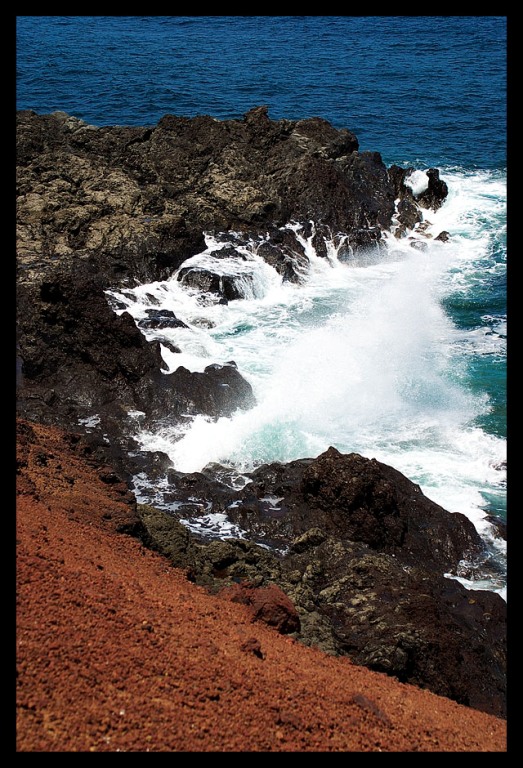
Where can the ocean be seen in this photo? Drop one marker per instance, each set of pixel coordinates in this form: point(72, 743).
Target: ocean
point(400, 357)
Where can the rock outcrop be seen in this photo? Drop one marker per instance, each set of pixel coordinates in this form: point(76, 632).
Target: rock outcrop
point(352, 555)
point(101, 208)
point(116, 651)
point(361, 553)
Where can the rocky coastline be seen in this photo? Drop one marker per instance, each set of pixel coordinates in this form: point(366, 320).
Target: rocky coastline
point(356, 551)
point(118, 651)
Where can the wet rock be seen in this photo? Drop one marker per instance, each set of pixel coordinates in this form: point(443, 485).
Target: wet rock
point(359, 499)
point(289, 261)
point(410, 204)
point(418, 245)
point(227, 287)
point(105, 208)
point(436, 192)
point(219, 390)
point(349, 543)
point(409, 213)
point(161, 318)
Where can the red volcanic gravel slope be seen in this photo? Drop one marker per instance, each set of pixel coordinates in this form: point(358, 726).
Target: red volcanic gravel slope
point(118, 652)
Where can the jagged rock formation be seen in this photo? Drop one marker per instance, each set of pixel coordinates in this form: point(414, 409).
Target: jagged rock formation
point(99, 208)
point(355, 547)
point(361, 552)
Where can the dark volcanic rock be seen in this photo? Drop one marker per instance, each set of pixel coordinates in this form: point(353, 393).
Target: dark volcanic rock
point(79, 360)
point(226, 287)
point(346, 496)
point(361, 553)
point(406, 621)
point(161, 318)
point(217, 391)
point(409, 206)
point(140, 199)
point(409, 213)
point(368, 501)
point(287, 259)
point(101, 208)
point(435, 193)
point(77, 355)
point(353, 545)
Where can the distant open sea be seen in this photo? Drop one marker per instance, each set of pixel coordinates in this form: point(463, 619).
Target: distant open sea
point(403, 360)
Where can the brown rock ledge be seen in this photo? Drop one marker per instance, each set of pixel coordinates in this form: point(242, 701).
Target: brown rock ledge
point(119, 652)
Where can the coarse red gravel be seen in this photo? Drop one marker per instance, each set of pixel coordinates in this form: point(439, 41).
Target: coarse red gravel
point(118, 652)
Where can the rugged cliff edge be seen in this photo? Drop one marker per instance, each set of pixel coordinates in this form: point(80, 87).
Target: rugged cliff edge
point(99, 208)
point(356, 548)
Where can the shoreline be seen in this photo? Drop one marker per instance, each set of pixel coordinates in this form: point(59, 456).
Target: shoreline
point(118, 651)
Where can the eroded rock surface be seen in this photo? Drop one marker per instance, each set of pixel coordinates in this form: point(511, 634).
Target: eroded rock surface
point(361, 553)
point(347, 546)
point(101, 208)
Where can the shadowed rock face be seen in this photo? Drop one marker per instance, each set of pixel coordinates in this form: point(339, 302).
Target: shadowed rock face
point(356, 548)
point(360, 552)
point(81, 360)
point(99, 208)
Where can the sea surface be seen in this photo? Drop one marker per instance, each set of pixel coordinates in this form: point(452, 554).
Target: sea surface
point(399, 357)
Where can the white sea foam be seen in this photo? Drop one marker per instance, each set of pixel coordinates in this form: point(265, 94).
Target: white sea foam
point(361, 356)
point(417, 181)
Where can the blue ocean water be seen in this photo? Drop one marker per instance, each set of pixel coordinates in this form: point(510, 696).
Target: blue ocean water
point(430, 89)
point(403, 359)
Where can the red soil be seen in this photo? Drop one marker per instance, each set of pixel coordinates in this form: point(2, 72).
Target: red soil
point(118, 652)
